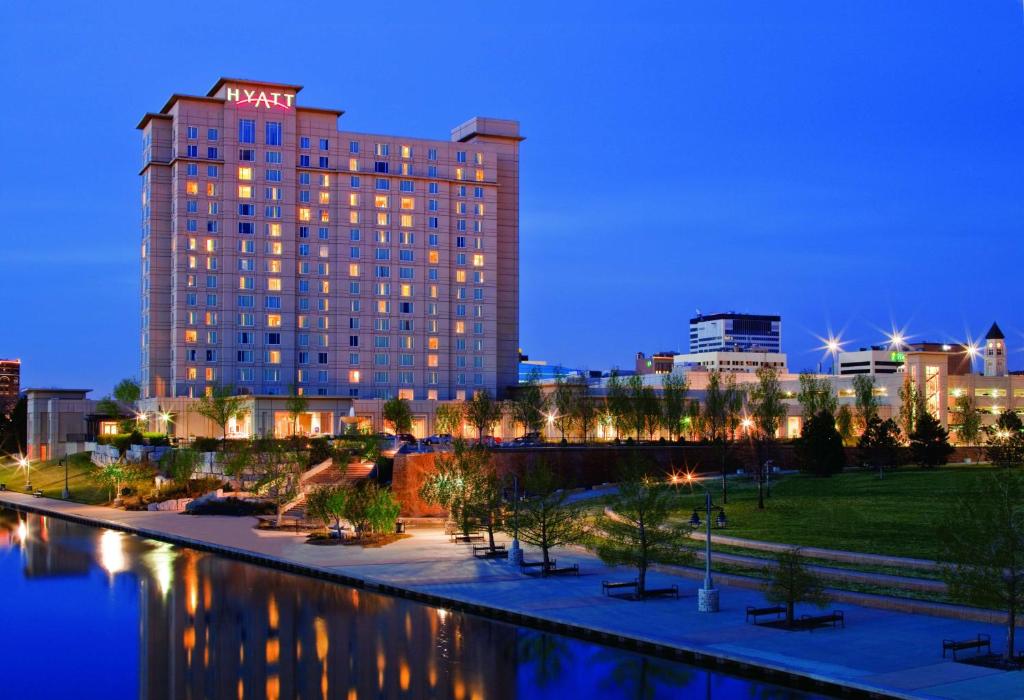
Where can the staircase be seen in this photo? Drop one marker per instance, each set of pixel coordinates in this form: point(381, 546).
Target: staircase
point(325, 474)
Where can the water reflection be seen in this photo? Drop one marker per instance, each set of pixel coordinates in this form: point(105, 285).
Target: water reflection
point(210, 627)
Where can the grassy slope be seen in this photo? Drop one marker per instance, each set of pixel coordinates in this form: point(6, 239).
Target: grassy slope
point(854, 511)
point(49, 477)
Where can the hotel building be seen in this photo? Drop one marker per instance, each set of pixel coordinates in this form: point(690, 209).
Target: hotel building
point(279, 251)
point(732, 332)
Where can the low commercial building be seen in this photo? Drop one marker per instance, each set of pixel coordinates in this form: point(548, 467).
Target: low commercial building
point(727, 361)
point(659, 363)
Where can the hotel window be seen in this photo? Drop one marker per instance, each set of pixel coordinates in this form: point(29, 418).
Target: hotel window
point(245, 191)
point(380, 201)
point(433, 257)
point(304, 142)
point(246, 155)
point(272, 194)
point(405, 221)
point(383, 218)
point(273, 133)
point(353, 181)
point(324, 144)
point(304, 214)
point(325, 216)
point(191, 151)
point(192, 132)
point(380, 166)
point(273, 230)
point(353, 166)
point(323, 233)
point(325, 198)
point(304, 161)
point(273, 320)
point(191, 336)
point(211, 152)
point(324, 162)
point(191, 373)
point(353, 217)
point(247, 131)
point(479, 175)
point(353, 270)
point(244, 172)
point(212, 170)
point(272, 157)
point(408, 203)
point(459, 175)
point(191, 187)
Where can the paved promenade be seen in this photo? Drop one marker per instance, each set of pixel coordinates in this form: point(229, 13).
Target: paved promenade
point(884, 651)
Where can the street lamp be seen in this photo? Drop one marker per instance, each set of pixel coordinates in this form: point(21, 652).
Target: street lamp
point(25, 464)
point(66, 494)
point(515, 554)
point(707, 597)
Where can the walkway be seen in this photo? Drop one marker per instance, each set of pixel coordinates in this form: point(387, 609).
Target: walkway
point(883, 651)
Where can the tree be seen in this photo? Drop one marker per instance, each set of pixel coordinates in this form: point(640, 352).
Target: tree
point(489, 503)
point(879, 443)
point(694, 420)
point(448, 418)
point(564, 401)
point(636, 405)
point(586, 410)
point(327, 504)
point(768, 410)
point(182, 465)
point(969, 421)
point(107, 406)
point(929, 443)
point(912, 405)
point(529, 406)
point(547, 519)
point(790, 582)
point(221, 405)
point(820, 447)
point(457, 482)
point(117, 476)
point(273, 468)
point(619, 404)
point(645, 407)
point(815, 396)
point(127, 391)
point(381, 507)
point(14, 427)
point(638, 530)
point(396, 411)
point(296, 404)
point(1005, 442)
point(981, 547)
point(673, 397)
point(864, 399)
point(482, 412)
point(844, 424)
point(722, 403)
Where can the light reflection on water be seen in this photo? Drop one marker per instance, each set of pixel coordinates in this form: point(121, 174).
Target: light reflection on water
point(138, 618)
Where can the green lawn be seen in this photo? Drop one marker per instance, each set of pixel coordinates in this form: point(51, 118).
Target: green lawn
point(854, 511)
point(49, 477)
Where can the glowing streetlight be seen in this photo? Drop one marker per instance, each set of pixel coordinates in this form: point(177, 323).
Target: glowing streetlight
point(26, 464)
point(972, 350)
point(707, 597)
point(747, 424)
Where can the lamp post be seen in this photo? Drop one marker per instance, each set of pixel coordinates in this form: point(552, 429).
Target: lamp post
point(66, 494)
point(707, 597)
point(26, 464)
point(515, 553)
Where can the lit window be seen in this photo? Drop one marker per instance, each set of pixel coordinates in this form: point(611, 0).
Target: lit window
point(192, 187)
point(478, 260)
point(407, 151)
point(353, 217)
point(191, 373)
point(460, 275)
point(210, 374)
point(325, 216)
point(244, 172)
point(274, 284)
point(479, 175)
point(433, 257)
point(353, 270)
point(211, 189)
point(459, 174)
point(460, 327)
point(383, 218)
point(408, 203)
point(273, 320)
point(274, 230)
point(303, 214)
point(380, 201)
point(245, 191)
point(325, 197)
point(353, 164)
point(431, 360)
point(353, 376)
point(433, 343)
point(406, 290)
point(274, 357)
point(191, 336)
point(353, 199)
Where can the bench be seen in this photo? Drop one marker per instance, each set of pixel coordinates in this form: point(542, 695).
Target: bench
point(982, 640)
point(37, 493)
point(524, 565)
point(573, 569)
point(670, 592)
point(608, 586)
point(776, 610)
point(485, 552)
point(833, 618)
point(465, 539)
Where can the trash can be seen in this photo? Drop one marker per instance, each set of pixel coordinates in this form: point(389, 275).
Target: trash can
point(399, 527)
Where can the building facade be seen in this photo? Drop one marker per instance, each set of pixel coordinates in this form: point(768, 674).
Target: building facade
point(735, 332)
point(657, 363)
point(279, 251)
point(10, 383)
point(730, 361)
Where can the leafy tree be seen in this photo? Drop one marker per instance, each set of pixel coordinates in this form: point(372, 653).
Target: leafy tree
point(722, 403)
point(768, 410)
point(790, 582)
point(879, 443)
point(220, 406)
point(458, 482)
point(272, 466)
point(929, 443)
point(396, 411)
point(489, 503)
point(547, 519)
point(1009, 421)
point(564, 400)
point(482, 412)
point(382, 509)
point(864, 399)
point(912, 405)
point(296, 404)
point(359, 505)
point(127, 391)
point(638, 531)
point(586, 410)
point(448, 418)
point(14, 427)
point(844, 424)
point(644, 407)
point(815, 396)
point(530, 405)
point(969, 417)
point(1005, 442)
point(117, 476)
point(327, 504)
point(182, 466)
point(694, 420)
point(673, 397)
point(619, 403)
point(981, 547)
point(107, 406)
point(820, 446)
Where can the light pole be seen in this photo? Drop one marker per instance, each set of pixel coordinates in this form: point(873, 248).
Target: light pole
point(515, 554)
point(707, 597)
point(26, 464)
point(66, 494)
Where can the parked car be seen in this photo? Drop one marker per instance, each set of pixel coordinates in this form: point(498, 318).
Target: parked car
point(439, 439)
point(407, 438)
point(413, 448)
point(527, 440)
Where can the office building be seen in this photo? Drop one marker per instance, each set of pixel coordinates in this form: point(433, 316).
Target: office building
point(728, 361)
point(279, 251)
point(658, 363)
point(10, 383)
point(732, 332)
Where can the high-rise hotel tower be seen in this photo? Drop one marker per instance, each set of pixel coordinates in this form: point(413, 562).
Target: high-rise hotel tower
point(279, 252)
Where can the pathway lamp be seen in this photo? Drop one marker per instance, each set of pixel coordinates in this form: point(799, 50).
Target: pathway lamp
point(707, 597)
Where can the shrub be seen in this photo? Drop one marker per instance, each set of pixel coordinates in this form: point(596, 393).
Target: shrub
point(205, 444)
point(319, 450)
point(232, 506)
point(156, 439)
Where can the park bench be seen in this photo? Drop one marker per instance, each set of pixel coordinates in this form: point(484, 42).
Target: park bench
point(670, 592)
point(464, 539)
point(608, 586)
point(485, 552)
point(753, 612)
point(37, 493)
point(833, 618)
point(982, 640)
point(525, 565)
point(573, 569)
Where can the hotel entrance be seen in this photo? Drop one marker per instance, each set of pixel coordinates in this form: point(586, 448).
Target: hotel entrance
point(308, 423)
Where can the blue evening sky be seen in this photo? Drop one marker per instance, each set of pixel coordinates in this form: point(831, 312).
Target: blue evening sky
point(853, 164)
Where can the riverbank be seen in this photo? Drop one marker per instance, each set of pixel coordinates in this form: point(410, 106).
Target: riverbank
point(880, 652)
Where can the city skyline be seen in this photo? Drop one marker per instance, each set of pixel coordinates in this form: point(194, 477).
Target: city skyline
point(877, 180)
